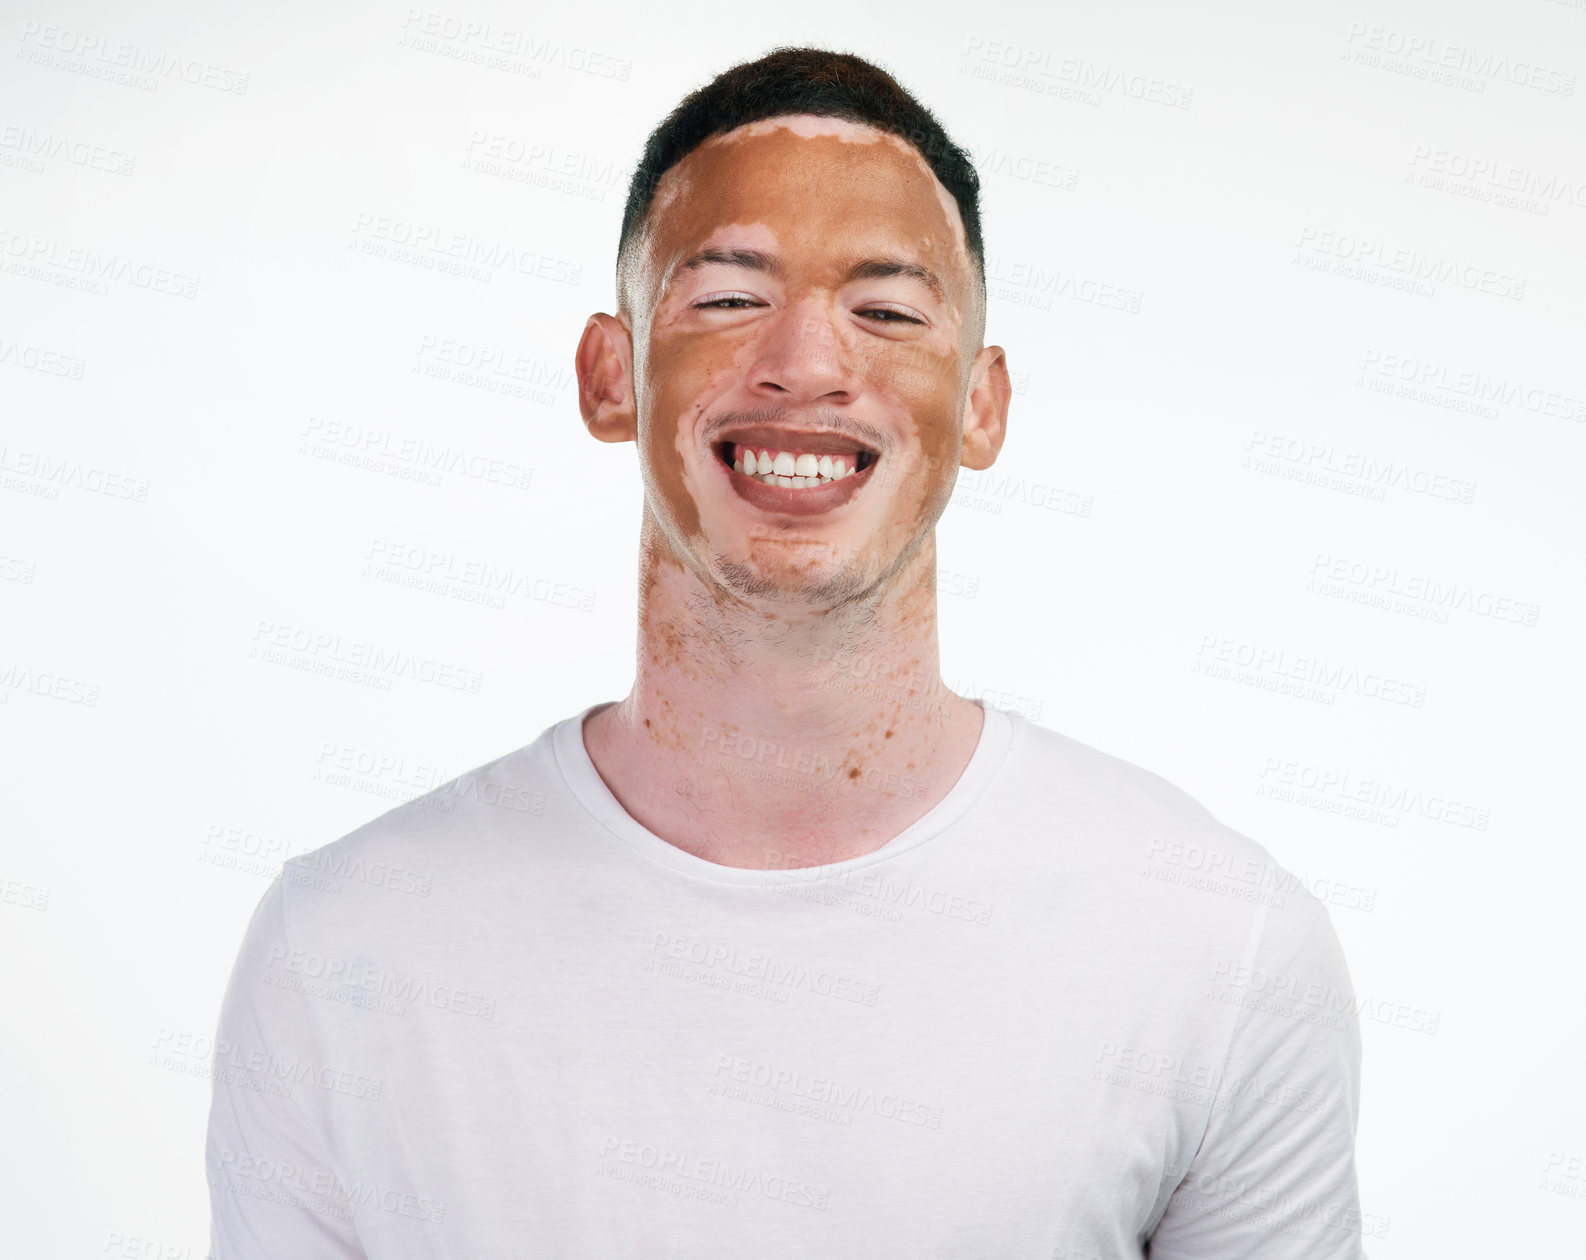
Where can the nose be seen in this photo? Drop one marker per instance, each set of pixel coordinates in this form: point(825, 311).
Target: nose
point(803, 359)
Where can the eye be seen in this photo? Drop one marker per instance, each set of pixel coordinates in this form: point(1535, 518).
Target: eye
point(727, 302)
point(893, 315)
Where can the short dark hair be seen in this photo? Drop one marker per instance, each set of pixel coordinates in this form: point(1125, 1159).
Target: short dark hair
point(804, 81)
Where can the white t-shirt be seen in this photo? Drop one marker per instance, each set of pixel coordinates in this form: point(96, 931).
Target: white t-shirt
point(1065, 1014)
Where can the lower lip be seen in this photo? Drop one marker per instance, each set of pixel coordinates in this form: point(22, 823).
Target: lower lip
point(797, 500)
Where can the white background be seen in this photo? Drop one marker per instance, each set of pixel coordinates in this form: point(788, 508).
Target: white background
point(1300, 531)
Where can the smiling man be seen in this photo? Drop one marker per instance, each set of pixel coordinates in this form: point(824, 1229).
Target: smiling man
point(792, 951)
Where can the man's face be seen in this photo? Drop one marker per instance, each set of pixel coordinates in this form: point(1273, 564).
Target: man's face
point(804, 287)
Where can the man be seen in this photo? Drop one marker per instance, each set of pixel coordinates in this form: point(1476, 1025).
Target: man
point(792, 952)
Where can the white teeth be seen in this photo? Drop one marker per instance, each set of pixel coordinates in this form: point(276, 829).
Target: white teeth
point(787, 468)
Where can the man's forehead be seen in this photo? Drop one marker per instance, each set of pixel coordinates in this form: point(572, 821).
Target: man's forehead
point(828, 137)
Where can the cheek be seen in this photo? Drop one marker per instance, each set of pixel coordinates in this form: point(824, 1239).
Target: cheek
point(922, 387)
point(685, 375)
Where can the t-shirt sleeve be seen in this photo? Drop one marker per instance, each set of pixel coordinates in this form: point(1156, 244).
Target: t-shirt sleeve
point(1274, 1176)
point(276, 1187)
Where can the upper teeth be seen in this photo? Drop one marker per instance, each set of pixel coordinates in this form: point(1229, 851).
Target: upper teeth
point(792, 468)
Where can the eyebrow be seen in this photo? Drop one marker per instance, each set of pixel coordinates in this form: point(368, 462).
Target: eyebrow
point(770, 264)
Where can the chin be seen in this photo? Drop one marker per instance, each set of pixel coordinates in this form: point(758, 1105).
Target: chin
point(821, 586)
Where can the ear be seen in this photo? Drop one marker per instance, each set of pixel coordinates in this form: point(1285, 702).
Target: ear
point(986, 409)
point(604, 364)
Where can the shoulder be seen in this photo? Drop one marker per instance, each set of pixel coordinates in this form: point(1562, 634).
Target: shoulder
point(1081, 773)
point(393, 869)
point(1155, 853)
point(1113, 804)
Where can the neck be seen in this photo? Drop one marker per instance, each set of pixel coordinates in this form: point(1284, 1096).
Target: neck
point(775, 735)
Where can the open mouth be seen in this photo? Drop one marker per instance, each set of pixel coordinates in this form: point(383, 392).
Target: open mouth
point(795, 474)
point(792, 469)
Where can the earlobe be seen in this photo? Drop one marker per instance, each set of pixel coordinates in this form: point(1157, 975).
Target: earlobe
point(986, 409)
point(603, 364)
